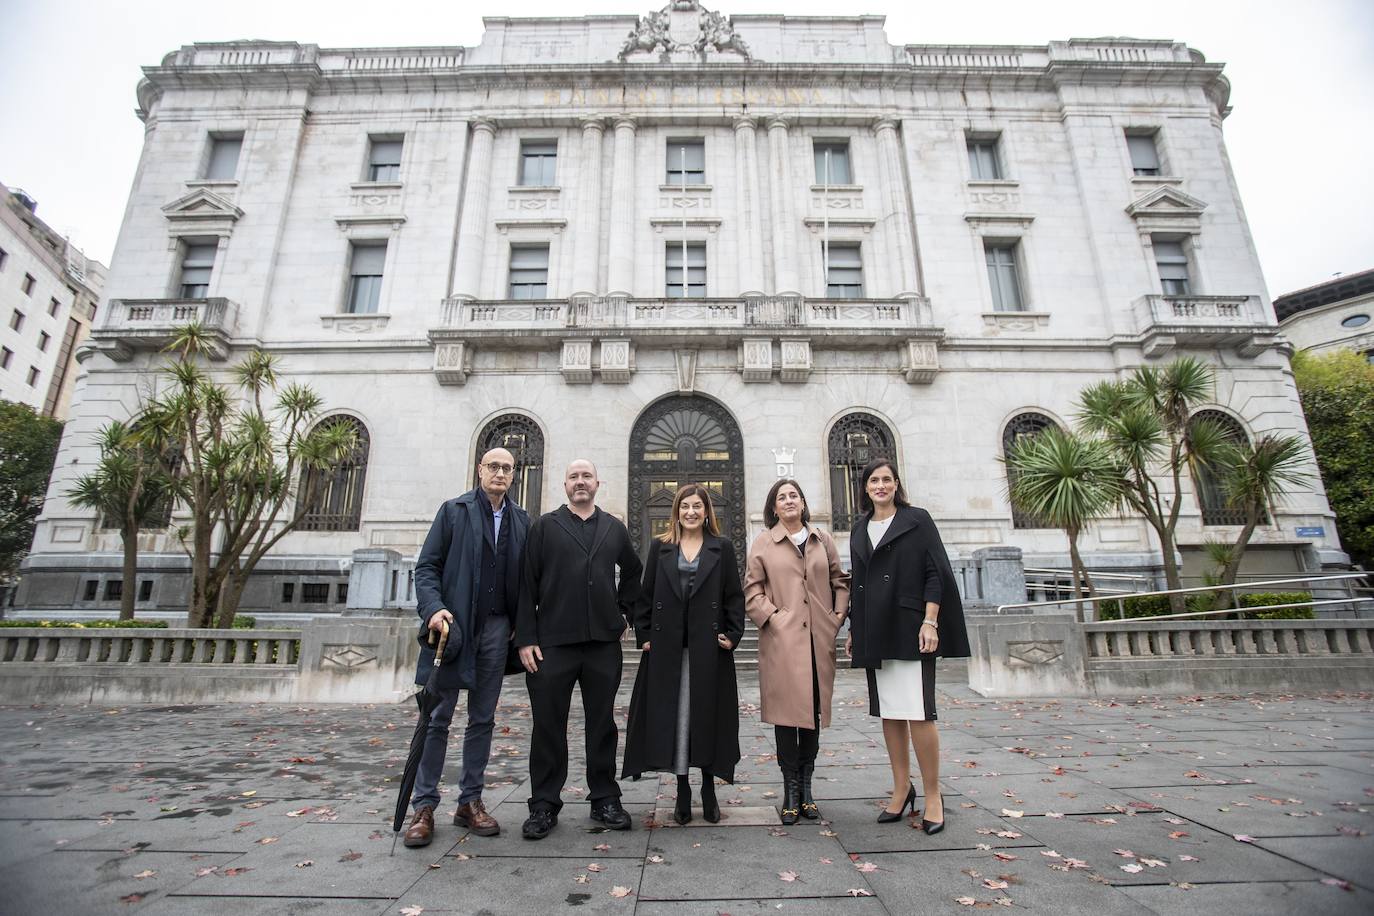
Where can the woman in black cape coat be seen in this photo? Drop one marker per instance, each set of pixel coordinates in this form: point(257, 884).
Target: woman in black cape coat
point(904, 611)
point(692, 616)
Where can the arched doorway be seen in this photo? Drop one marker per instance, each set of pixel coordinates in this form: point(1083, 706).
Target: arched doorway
point(679, 440)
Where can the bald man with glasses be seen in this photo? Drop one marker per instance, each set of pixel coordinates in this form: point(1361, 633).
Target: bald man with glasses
point(468, 575)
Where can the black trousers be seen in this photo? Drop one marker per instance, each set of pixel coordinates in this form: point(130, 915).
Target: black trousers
point(596, 667)
point(798, 746)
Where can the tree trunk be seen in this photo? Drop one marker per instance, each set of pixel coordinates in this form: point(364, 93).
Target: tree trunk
point(129, 536)
point(1177, 603)
point(230, 593)
point(1082, 582)
point(1229, 574)
point(199, 612)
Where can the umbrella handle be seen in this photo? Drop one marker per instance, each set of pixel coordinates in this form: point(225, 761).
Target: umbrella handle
point(443, 641)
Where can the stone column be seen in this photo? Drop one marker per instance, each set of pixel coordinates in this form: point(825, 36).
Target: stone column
point(620, 253)
point(472, 231)
point(750, 219)
point(901, 241)
point(587, 235)
point(785, 277)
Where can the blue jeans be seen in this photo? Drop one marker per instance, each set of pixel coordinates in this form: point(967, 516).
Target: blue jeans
point(492, 644)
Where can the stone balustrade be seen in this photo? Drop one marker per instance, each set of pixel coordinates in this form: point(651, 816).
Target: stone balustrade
point(150, 324)
point(1230, 322)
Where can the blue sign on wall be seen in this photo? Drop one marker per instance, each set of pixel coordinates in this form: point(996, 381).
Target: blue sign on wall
point(1312, 532)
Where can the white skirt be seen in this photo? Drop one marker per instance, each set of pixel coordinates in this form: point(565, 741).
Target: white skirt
point(903, 689)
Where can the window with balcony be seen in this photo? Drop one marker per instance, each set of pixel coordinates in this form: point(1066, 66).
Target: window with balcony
point(384, 158)
point(538, 161)
point(832, 162)
point(197, 261)
point(686, 162)
point(223, 162)
point(1172, 262)
point(1144, 151)
point(529, 271)
point(984, 159)
point(1004, 276)
point(365, 277)
point(844, 271)
point(686, 270)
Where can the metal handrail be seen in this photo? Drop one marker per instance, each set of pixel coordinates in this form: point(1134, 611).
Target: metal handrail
point(1068, 574)
point(1238, 610)
point(1090, 599)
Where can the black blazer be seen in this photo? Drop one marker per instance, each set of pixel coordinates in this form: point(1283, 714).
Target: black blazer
point(716, 604)
point(888, 588)
point(569, 594)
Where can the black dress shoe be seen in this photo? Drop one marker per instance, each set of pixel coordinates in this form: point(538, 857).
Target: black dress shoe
point(932, 827)
point(612, 815)
point(887, 817)
point(710, 808)
point(538, 824)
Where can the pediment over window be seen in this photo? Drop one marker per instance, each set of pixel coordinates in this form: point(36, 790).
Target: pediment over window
point(202, 211)
point(1166, 202)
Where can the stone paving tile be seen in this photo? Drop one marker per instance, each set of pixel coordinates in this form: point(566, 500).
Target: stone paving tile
point(189, 905)
point(21, 840)
point(1037, 794)
point(721, 862)
point(1144, 769)
point(856, 825)
point(1309, 898)
point(818, 906)
point(1329, 782)
point(107, 882)
point(573, 837)
point(1257, 809)
point(1348, 857)
point(1147, 838)
point(520, 886)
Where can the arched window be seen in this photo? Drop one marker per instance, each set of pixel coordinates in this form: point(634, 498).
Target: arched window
point(855, 440)
point(339, 489)
point(1211, 498)
point(1023, 426)
point(521, 436)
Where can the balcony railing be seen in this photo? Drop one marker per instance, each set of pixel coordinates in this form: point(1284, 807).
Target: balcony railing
point(1231, 322)
point(150, 324)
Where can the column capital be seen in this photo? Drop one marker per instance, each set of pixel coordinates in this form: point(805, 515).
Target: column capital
point(484, 125)
point(597, 124)
point(776, 122)
point(882, 124)
point(623, 122)
point(744, 122)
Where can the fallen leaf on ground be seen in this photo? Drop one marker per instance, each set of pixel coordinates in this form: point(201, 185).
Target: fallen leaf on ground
point(1132, 868)
point(1005, 856)
point(1009, 834)
point(1050, 853)
point(619, 891)
point(994, 885)
point(299, 812)
point(350, 856)
point(867, 868)
point(1154, 863)
point(232, 872)
point(146, 873)
point(306, 863)
point(594, 867)
point(858, 892)
point(1242, 838)
point(209, 870)
point(1177, 835)
point(411, 910)
point(1054, 814)
point(1189, 859)
point(825, 861)
point(654, 860)
point(267, 840)
point(1337, 882)
point(965, 901)
point(602, 847)
point(132, 898)
point(1007, 812)
point(1125, 853)
point(788, 875)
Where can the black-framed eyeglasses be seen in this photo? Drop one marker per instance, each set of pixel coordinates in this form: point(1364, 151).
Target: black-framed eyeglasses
point(497, 467)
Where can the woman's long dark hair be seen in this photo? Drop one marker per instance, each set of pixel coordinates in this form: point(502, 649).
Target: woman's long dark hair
point(709, 524)
point(865, 503)
point(770, 512)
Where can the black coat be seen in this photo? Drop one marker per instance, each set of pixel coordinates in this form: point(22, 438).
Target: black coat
point(448, 575)
point(888, 588)
point(715, 606)
point(569, 595)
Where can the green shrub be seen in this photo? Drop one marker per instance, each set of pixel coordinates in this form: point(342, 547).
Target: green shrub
point(244, 622)
point(86, 624)
point(1264, 599)
point(1151, 606)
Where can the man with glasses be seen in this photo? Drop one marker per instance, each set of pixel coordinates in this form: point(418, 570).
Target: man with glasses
point(468, 574)
point(572, 612)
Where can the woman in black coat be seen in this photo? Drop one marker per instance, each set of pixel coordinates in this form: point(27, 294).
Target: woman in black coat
point(685, 707)
point(904, 610)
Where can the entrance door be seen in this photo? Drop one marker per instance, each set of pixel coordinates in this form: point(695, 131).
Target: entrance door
point(681, 440)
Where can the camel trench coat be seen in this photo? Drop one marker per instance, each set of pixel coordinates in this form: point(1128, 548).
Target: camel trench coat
point(798, 601)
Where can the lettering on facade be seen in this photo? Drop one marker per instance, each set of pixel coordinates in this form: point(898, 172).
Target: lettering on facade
point(784, 461)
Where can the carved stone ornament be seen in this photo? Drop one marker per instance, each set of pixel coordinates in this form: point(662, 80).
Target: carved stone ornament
point(1031, 654)
point(348, 657)
point(683, 26)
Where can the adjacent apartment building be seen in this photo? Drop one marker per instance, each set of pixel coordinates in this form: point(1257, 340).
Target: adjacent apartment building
point(690, 248)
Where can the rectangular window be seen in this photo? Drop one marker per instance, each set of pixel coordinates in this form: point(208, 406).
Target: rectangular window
point(529, 271)
point(341, 593)
point(832, 162)
point(92, 590)
point(196, 264)
point(688, 282)
point(33, 376)
point(1003, 276)
point(4, 258)
point(145, 589)
point(537, 161)
point(384, 159)
point(27, 284)
point(114, 590)
point(844, 272)
point(1172, 262)
point(315, 593)
point(5, 355)
point(288, 592)
point(43, 338)
point(224, 157)
point(984, 163)
point(365, 278)
point(686, 162)
point(17, 320)
point(1144, 153)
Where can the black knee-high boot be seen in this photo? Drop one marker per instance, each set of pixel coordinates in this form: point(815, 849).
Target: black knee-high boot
point(808, 804)
point(710, 808)
point(682, 811)
point(791, 795)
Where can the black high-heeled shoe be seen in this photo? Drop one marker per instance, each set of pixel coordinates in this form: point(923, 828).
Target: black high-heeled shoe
point(887, 817)
point(682, 810)
point(710, 808)
point(931, 827)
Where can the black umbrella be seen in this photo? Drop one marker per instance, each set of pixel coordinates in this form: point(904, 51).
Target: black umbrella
point(426, 699)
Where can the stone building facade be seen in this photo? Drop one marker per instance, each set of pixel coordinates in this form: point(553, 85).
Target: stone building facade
point(688, 247)
point(49, 293)
point(1331, 315)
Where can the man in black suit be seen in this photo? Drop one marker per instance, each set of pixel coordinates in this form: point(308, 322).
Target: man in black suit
point(572, 613)
point(468, 575)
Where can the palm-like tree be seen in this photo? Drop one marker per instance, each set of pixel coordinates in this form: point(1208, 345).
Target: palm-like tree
point(1067, 480)
point(1254, 478)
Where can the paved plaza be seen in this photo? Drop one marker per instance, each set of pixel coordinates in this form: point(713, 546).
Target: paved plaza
point(1181, 805)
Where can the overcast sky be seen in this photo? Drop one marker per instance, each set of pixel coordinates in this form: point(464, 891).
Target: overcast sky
point(1301, 136)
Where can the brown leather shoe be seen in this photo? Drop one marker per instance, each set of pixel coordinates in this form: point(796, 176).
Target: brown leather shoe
point(421, 829)
point(474, 817)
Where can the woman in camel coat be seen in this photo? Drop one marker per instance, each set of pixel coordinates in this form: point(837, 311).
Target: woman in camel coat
point(797, 595)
